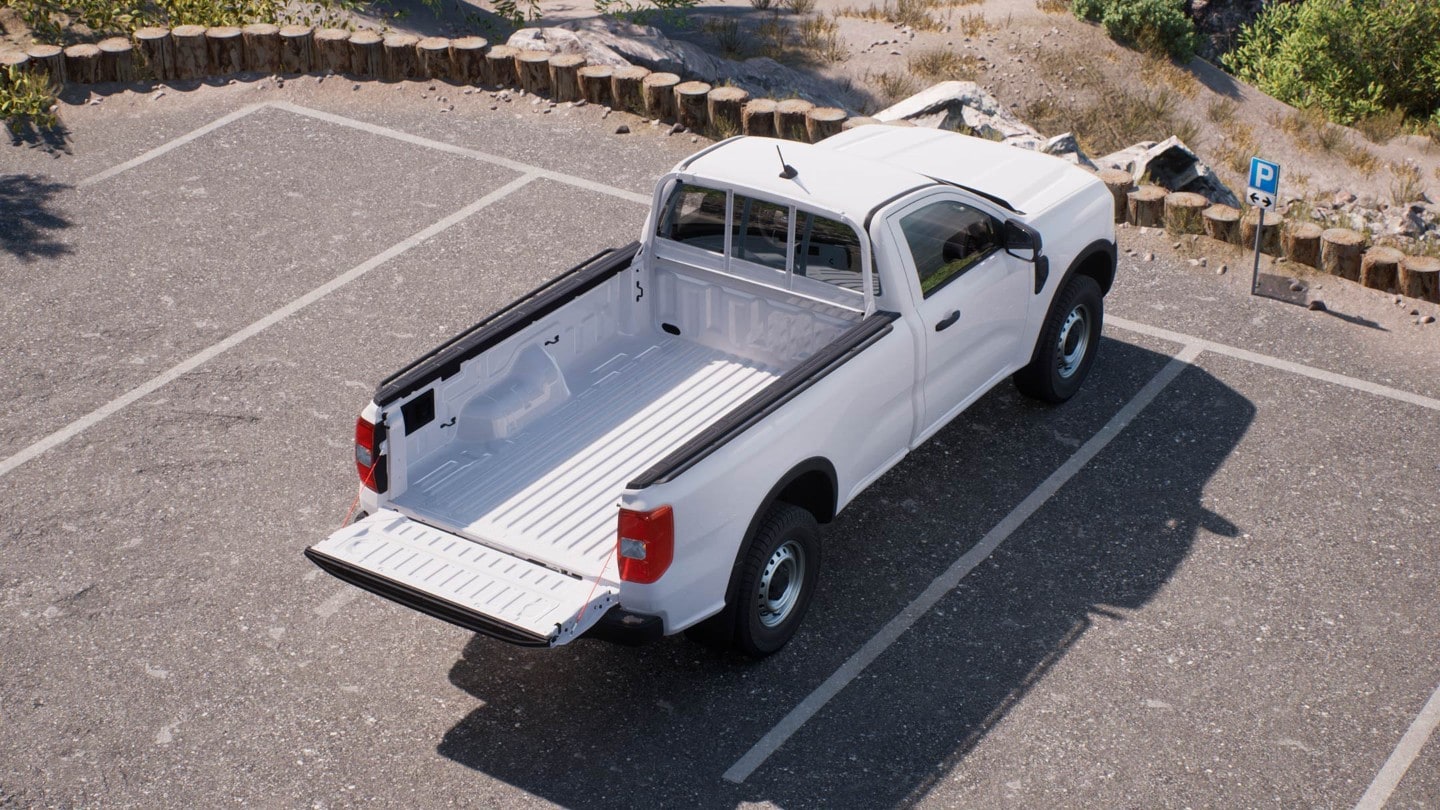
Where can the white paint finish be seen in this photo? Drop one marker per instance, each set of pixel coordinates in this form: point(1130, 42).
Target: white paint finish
point(1403, 756)
point(170, 145)
point(957, 571)
point(203, 356)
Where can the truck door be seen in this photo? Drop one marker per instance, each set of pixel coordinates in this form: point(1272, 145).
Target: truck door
point(971, 297)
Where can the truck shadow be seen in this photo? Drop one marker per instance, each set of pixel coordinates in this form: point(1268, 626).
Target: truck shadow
point(600, 726)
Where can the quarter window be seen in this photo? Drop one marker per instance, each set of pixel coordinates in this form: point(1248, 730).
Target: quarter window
point(946, 239)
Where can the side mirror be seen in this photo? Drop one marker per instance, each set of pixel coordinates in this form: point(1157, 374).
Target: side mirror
point(1019, 236)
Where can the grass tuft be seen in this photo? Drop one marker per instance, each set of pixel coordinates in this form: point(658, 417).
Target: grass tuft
point(944, 64)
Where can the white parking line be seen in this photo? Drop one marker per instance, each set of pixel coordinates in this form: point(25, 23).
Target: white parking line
point(169, 145)
point(198, 359)
point(951, 577)
point(1403, 756)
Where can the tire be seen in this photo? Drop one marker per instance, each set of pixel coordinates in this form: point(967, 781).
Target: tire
point(776, 580)
point(1068, 343)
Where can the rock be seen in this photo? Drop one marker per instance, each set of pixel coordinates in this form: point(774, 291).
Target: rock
point(1204, 261)
point(676, 128)
point(1222, 269)
point(1317, 306)
point(965, 107)
point(1172, 165)
point(1149, 257)
point(1065, 146)
point(1428, 319)
point(1296, 286)
point(622, 130)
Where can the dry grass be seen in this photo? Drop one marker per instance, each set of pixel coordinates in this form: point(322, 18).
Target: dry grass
point(821, 37)
point(1359, 157)
point(1053, 6)
point(728, 37)
point(801, 6)
point(1381, 128)
point(943, 64)
point(772, 37)
point(1407, 184)
point(1222, 112)
point(1237, 151)
point(972, 24)
point(1177, 78)
point(762, 5)
point(1121, 118)
point(891, 87)
point(913, 13)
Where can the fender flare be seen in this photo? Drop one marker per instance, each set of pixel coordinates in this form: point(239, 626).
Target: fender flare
point(1103, 247)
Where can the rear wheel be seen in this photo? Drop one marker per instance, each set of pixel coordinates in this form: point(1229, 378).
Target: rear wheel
point(1067, 344)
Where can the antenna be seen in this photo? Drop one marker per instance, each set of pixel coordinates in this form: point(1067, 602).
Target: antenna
point(787, 172)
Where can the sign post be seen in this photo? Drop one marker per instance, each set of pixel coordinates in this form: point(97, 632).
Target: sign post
point(1263, 190)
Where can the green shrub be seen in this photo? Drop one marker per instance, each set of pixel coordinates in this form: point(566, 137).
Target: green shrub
point(1088, 9)
point(1154, 26)
point(1354, 59)
point(26, 98)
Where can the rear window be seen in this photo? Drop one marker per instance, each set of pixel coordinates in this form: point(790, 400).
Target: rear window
point(696, 216)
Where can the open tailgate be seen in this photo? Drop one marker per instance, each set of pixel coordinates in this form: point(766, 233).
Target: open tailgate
point(463, 582)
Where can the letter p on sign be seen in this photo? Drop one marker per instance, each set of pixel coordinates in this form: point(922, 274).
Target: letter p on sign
point(1264, 185)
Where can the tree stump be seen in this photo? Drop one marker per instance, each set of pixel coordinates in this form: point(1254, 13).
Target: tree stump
point(262, 47)
point(533, 70)
point(1222, 223)
point(47, 60)
point(1380, 267)
point(117, 60)
point(724, 107)
point(1420, 278)
point(152, 46)
point(1120, 184)
point(1269, 239)
point(13, 59)
point(595, 84)
point(367, 54)
point(627, 91)
point(822, 122)
point(1340, 252)
point(790, 119)
point(500, 67)
point(433, 55)
point(758, 117)
point(82, 64)
point(297, 47)
point(1301, 241)
point(565, 76)
point(1146, 206)
point(188, 49)
point(660, 95)
point(224, 50)
point(467, 60)
point(1183, 212)
point(859, 121)
point(332, 50)
point(401, 60)
point(691, 100)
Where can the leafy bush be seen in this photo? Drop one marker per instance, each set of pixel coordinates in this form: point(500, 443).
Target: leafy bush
point(48, 18)
point(1153, 26)
point(26, 97)
point(1354, 59)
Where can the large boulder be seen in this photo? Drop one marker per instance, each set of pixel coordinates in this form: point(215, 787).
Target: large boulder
point(1172, 165)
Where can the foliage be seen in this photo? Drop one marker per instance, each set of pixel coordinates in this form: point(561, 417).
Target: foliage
point(1354, 59)
point(1154, 26)
point(26, 97)
point(49, 19)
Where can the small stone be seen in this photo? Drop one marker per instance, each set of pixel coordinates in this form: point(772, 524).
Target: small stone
point(622, 130)
point(1176, 246)
point(1194, 262)
point(694, 139)
point(1399, 300)
point(158, 94)
point(432, 88)
point(1129, 251)
point(581, 103)
point(605, 114)
point(1149, 257)
point(1222, 269)
point(1414, 312)
point(279, 83)
point(469, 90)
point(677, 128)
point(1204, 262)
point(1317, 306)
point(545, 111)
point(356, 87)
point(1428, 319)
point(1296, 286)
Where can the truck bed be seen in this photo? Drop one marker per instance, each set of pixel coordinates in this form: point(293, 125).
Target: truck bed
point(549, 492)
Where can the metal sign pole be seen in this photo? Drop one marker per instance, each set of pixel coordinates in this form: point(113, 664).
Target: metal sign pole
point(1255, 274)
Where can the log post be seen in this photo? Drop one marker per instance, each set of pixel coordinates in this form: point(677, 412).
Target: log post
point(533, 70)
point(332, 50)
point(82, 64)
point(1120, 184)
point(627, 89)
point(262, 47)
point(1420, 278)
point(595, 84)
point(1222, 223)
point(153, 45)
point(724, 106)
point(1146, 206)
point(1379, 268)
point(859, 121)
point(790, 119)
point(467, 60)
point(1269, 240)
point(822, 122)
point(500, 67)
point(690, 104)
point(224, 50)
point(758, 117)
point(47, 60)
point(188, 49)
point(297, 48)
point(565, 76)
point(433, 55)
point(1340, 252)
point(13, 59)
point(1183, 212)
point(401, 60)
point(1301, 241)
point(367, 54)
point(660, 95)
point(117, 60)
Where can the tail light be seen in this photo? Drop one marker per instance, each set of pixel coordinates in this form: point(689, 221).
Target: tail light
point(647, 544)
point(368, 462)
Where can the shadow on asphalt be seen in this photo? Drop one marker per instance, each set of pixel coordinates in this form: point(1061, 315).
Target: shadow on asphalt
point(28, 220)
point(602, 726)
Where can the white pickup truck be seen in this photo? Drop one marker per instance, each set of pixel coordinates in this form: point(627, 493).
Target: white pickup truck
point(647, 444)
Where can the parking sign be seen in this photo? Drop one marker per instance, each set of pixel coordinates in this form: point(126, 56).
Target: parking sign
point(1264, 184)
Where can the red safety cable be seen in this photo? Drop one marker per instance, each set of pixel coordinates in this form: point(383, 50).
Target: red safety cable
point(593, 586)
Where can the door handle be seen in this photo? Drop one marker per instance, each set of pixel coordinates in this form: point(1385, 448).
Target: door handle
point(947, 321)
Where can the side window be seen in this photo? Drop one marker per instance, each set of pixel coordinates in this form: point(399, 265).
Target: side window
point(761, 232)
point(696, 216)
point(946, 239)
point(829, 251)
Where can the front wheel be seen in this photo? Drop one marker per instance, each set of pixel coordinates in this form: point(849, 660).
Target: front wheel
point(1067, 345)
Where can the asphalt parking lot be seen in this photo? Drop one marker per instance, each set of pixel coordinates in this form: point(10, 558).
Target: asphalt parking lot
point(1208, 581)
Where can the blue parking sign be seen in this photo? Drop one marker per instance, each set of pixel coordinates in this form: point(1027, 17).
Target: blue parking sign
point(1264, 176)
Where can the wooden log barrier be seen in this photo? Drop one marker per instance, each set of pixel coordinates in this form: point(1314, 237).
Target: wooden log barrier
point(533, 70)
point(367, 54)
point(82, 64)
point(1222, 223)
point(627, 89)
point(401, 60)
point(595, 84)
point(467, 60)
point(500, 66)
point(13, 59)
point(758, 117)
point(262, 47)
point(1340, 252)
point(297, 49)
point(224, 50)
point(1420, 278)
point(1380, 268)
point(660, 95)
point(117, 60)
point(433, 58)
point(822, 122)
point(859, 121)
point(565, 76)
point(1183, 211)
point(1146, 206)
point(1269, 239)
point(691, 100)
point(1120, 184)
point(1301, 241)
point(47, 60)
point(332, 50)
point(725, 106)
point(190, 52)
point(790, 119)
